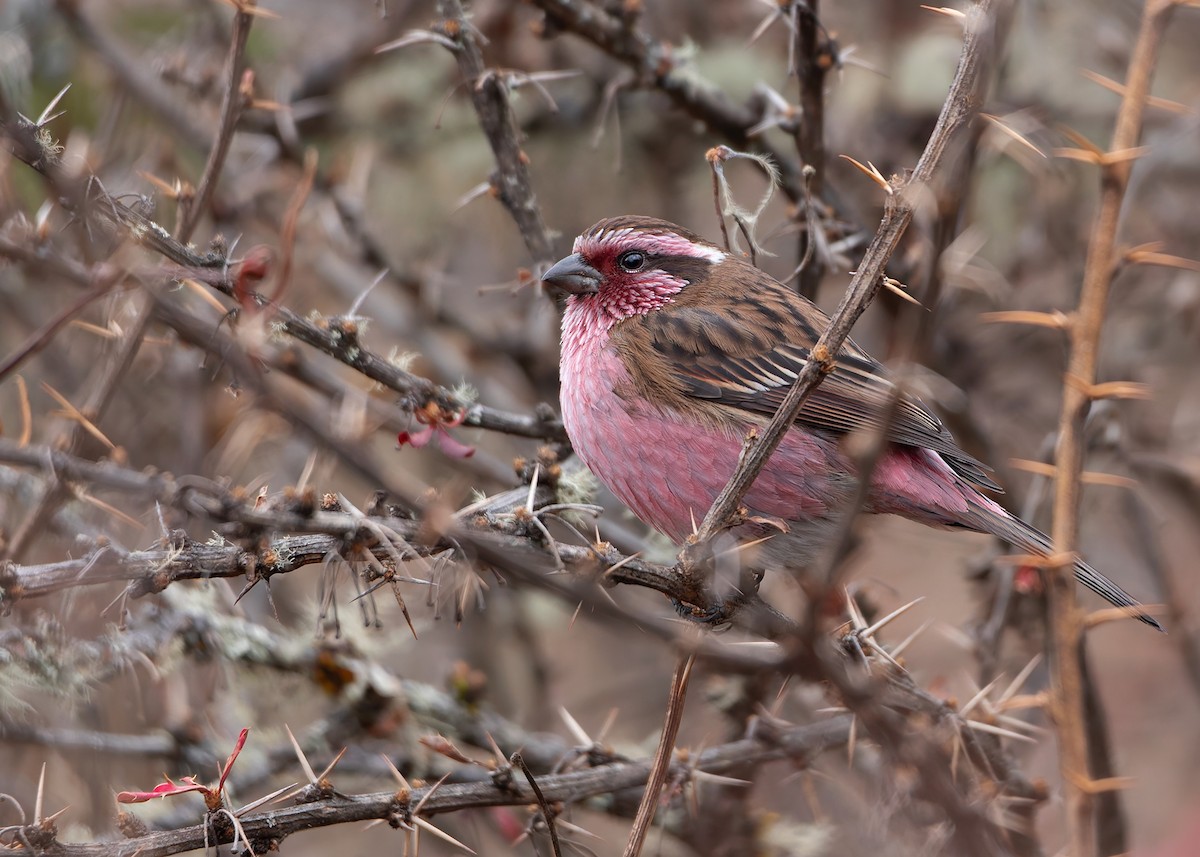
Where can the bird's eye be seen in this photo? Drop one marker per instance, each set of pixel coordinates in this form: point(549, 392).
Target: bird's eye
point(632, 261)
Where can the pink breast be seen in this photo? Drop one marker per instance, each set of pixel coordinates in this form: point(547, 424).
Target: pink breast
point(668, 471)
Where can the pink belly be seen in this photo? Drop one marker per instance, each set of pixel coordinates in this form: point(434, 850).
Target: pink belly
point(668, 472)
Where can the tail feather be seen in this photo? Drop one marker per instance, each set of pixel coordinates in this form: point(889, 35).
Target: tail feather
point(1029, 538)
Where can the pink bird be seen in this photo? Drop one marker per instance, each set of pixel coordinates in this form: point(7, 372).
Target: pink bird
point(672, 349)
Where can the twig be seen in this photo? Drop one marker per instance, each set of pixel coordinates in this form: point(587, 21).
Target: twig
point(102, 391)
point(814, 57)
point(1065, 615)
point(490, 97)
point(334, 339)
point(654, 63)
point(42, 337)
point(799, 744)
point(235, 96)
point(519, 760)
point(662, 756)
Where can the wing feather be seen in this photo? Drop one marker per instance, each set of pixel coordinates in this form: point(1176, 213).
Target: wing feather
point(745, 354)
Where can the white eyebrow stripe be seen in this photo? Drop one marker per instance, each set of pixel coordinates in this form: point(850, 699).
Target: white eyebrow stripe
point(662, 243)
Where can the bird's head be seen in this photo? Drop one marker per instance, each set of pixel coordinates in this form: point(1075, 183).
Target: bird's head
point(631, 265)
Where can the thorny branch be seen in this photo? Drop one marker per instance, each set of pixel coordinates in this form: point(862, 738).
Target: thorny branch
point(815, 56)
point(489, 94)
point(1066, 640)
point(267, 829)
point(655, 63)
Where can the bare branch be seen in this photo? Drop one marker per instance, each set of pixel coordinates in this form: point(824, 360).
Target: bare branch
point(1066, 617)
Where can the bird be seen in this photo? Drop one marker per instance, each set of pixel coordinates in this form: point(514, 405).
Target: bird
point(674, 348)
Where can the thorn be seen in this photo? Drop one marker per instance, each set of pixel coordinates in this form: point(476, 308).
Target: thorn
point(1105, 784)
point(40, 800)
point(1120, 156)
point(1029, 700)
point(897, 651)
point(621, 562)
point(883, 653)
point(399, 777)
point(501, 759)
point(481, 189)
point(171, 190)
point(1151, 101)
point(430, 793)
point(1081, 141)
point(899, 611)
point(1146, 255)
point(329, 768)
point(997, 730)
point(26, 413)
point(417, 37)
point(1000, 125)
point(1018, 724)
point(50, 819)
point(574, 728)
point(744, 546)
point(857, 622)
point(420, 822)
point(247, 7)
point(978, 697)
point(46, 117)
point(262, 801)
point(898, 288)
point(872, 173)
point(204, 292)
point(1111, 389)
point(106, 507)
point(705, 776)
point(533, 481)
point(607, 725)
point(1056, 320)
point(362, 296)
point(1020, 679)
point(304, 765)
point(955, 752)
point(72, 413)
point(947, 11)
point(1089, 477)
point(1102, 159)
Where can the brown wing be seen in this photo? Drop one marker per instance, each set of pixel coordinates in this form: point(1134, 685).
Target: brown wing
point(743, 347)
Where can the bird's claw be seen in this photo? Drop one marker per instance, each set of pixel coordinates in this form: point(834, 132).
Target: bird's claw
point(716, 614)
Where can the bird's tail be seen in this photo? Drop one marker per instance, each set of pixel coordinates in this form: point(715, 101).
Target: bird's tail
point(1017, 532)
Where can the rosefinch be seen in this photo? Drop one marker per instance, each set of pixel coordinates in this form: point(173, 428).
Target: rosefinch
point(672, 349)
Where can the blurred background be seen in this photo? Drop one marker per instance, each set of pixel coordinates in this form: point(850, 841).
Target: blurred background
point(402, 201)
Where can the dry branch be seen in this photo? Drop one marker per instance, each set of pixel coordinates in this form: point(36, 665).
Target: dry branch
point(266, 830)
point(1066, 617)
point(489, 94)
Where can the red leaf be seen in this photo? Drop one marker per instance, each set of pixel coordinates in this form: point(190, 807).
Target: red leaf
point(453, 448)
point(165, 789)
point(241, 742)
point(252, 270)
point(415, 439)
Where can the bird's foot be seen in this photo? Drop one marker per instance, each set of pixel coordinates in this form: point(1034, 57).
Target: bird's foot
point(717, 611)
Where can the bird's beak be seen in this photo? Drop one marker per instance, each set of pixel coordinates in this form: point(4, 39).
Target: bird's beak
point(574, 276)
